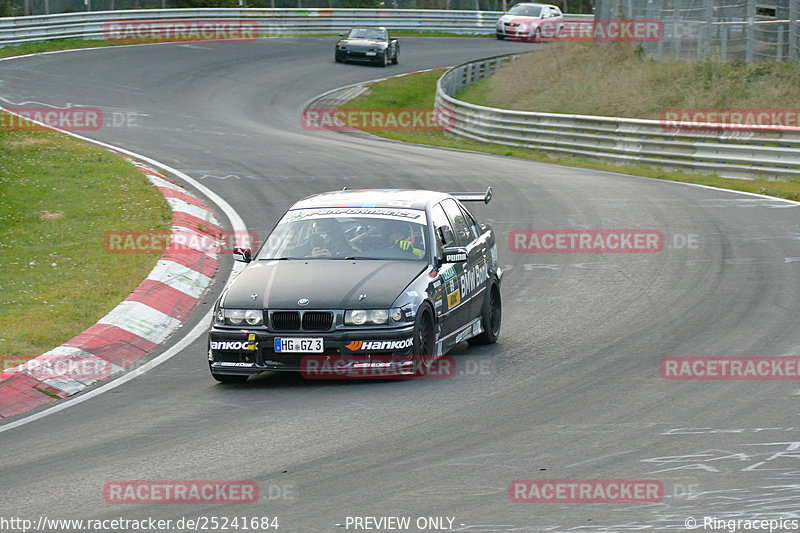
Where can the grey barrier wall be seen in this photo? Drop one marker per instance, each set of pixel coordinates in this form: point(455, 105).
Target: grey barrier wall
point(731, 153)
point(271, 22)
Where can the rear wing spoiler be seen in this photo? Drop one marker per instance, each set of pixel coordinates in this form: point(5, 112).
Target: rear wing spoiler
point(484, 197)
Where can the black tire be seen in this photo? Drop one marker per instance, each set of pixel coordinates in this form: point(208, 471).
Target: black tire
point(385, 58)
point(500, 36)
point(337, 58)
point(424, 340)
point(396, 57)
point(228, 378)
point(491, 317)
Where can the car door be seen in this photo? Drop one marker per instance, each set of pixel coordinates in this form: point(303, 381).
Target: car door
point(474, 272)
point(451, 309)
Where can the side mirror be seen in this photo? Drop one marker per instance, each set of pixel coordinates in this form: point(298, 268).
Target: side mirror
point(243, 254)
point(341, 34)
point(455, 255)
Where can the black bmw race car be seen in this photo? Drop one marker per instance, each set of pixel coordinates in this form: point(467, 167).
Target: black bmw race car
point(370, 45)
point(387, 278)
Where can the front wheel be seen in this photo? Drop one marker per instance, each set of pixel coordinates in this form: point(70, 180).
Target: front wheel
point(500, 36)
point(423, 343)
point(491, 316)
point(396, 57)
point(385, 60)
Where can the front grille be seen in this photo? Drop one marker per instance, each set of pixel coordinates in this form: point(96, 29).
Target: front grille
point(317, 321)
point(285, 321)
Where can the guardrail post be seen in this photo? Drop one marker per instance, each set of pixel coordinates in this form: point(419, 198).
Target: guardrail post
point(709, 22)
point(676, 30)
point(793, 28)
point(699, 46)
point(751, 30)
point(723, 44)
point(780, 43)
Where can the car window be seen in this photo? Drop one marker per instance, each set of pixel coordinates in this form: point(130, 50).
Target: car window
point(315, 235)
point(368, 33)
point(474, 227)
point(441, 225)
point(525, 10)
point(460, 225)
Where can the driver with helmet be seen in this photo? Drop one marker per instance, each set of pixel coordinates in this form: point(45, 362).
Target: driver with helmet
point(400, 236)
point(327, 239)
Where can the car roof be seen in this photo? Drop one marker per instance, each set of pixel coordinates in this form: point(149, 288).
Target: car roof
point(408, 198)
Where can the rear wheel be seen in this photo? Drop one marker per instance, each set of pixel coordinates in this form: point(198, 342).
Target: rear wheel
point(491, 316)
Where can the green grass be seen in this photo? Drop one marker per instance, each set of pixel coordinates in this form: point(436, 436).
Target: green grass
point(58, 198)
point(418, 90)
point(613, 80)
point(51, 46)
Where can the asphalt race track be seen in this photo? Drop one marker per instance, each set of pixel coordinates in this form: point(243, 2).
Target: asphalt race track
point(571, 391)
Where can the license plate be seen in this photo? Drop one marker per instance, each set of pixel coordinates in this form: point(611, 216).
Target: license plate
point(371, 53)
point(298, 345)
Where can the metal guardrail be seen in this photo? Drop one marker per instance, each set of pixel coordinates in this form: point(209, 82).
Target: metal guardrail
point(271, 22)
point(770, 152)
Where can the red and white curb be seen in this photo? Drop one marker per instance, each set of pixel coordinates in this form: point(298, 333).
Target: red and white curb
point(140, 323)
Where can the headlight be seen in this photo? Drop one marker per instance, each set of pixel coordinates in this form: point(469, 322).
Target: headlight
point(361, 317)
point(239, 317)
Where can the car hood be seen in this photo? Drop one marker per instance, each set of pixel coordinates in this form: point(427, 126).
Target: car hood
point(363, 42)
point(327, 284)
point(520, 18)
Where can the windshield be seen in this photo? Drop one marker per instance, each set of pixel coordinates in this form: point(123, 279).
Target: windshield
point(368, 33)
point(528, 11)
point(342, 233)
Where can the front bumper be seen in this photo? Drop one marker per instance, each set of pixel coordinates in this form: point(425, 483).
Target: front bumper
point(248, 352)
point(360, 56)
